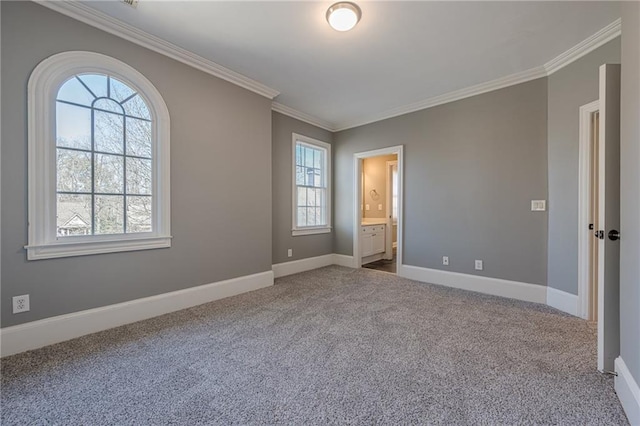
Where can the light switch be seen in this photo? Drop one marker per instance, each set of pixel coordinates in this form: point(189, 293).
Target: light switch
point(379, 206)
point(538, 205)
point(367, 207)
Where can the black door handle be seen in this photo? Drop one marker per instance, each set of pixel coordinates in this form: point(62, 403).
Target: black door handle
point(614, 235)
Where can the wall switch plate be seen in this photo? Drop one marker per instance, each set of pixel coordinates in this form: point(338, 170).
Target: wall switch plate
point(445, 260)
point(479, 265)
point(379, 206)
point(538, 205)
point(21, 303)
point(367, 207)
point(289, 252)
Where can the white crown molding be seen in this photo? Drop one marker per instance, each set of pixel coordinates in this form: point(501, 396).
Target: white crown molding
point(585, 47)
point(299, 115)
point(104, 22)
point(456, 95)
point(114, 26)
point(576, 52)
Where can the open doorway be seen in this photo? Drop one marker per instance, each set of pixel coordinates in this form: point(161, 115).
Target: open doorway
point(378, 210)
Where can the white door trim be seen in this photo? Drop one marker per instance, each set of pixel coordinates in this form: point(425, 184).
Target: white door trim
point(584, 184)
point(389, 213)
point(357, 199)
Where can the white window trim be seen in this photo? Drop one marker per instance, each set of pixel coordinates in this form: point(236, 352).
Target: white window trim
point(309, 230)
point(44, 83)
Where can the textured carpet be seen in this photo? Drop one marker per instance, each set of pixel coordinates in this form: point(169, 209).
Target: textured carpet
point(331, 346)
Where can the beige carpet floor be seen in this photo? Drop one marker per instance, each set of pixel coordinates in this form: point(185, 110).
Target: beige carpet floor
point(330, 346)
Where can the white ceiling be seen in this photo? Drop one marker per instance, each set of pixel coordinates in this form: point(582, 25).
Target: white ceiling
point(400, 53)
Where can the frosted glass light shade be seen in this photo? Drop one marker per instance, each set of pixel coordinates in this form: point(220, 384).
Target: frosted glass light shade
point(343, 16)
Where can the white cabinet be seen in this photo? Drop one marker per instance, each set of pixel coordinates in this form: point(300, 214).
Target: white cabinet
point(372, 240)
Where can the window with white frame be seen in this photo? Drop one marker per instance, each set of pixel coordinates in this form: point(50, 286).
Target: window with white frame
point(98, 158)
point(311, 186)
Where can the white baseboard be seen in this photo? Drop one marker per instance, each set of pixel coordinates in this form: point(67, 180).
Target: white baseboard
point(563, 301)
point(36, 334)
point(302, 265)
point(343, 260)
point(494, 286)
point(628, 392)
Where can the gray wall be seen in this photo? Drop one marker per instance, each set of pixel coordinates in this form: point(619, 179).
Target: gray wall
point(569, 89)
point(303, 245)
point(630, 191)
point(471, 169)
point(220, 172)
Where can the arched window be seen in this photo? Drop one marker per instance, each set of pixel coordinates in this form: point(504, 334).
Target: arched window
point(98, 158)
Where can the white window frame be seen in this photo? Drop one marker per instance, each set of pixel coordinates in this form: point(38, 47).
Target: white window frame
point(44, 83)
point(309, 230)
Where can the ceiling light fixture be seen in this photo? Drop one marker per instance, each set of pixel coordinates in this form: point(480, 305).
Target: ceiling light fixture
point(343, 16)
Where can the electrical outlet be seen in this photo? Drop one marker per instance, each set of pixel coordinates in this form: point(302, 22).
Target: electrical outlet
point(445, 260)
point(479, 265)
point(20, 303)
point(367, 207)
point(379, 206)
point(289, 252)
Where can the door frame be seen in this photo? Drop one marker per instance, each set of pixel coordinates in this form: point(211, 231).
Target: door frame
point(584, 186)
point(358, 157)
point(389, 213)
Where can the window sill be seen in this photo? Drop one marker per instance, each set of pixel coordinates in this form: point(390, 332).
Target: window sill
point(83, 248)
point(311, 231)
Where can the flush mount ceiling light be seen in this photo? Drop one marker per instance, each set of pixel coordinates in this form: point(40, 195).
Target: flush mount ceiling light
point(343, 16)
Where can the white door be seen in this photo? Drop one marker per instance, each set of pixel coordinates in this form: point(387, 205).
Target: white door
point(609, 218)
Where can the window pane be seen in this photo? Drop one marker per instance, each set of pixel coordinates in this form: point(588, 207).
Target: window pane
point(96, 83)
point(108, 105)
point(109, 174)
point(299, 175)
point(109, 211)
point(317, 159)
point(308, 159)
point(73, 170)
point(136, 107)
point(319, 197)
point(119, 90)
point(73, 126)
point(138, 176)
point(302, 216)
point(109, 132)
point(73, 215)
point(73, 91)
point(138, 137)
point(298, 154)
point(317, 178)
point(311, 216)
point(319, 220)
point(302, 196)
point(139, 214)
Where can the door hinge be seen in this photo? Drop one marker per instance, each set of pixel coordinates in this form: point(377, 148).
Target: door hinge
point(599, 235)
point(611, 373)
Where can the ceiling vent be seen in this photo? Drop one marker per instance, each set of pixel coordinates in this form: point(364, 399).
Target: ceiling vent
point(132, 3)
